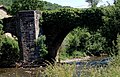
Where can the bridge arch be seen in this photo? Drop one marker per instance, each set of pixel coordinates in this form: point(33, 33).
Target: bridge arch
point(57, 24)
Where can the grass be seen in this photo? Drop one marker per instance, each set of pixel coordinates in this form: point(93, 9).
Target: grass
point(112, 70)
point(67, 70)
point(59, 71)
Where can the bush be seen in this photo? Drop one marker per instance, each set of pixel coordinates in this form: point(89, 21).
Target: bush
point(80, 41)
point(9, 52)
point(42, 46)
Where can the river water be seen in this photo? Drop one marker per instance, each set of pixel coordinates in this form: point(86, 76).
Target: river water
point(19, 72)
point(35, 72)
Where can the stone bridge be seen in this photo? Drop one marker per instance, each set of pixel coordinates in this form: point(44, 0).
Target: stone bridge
point(25, 25)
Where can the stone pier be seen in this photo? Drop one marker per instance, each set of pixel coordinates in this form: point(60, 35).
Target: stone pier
point(28, 31)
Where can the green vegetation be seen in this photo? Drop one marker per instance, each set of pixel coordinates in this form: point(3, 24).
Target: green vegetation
point(59, 71)
point(98, 27)
point(6, 2)
point(42, 46)
point(1, 34)
point(50, 6)
point(80, 42)
point(112, 70)
point(93, 3)
point(26, 5)
point(98, 30)
point(9, 50)
point(13, 6)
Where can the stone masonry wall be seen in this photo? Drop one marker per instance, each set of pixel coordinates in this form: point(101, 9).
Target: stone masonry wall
point(25, 25)
point(28, 24)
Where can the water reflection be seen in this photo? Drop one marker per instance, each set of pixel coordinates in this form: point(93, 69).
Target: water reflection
point(84, 67)
point(35, 72)
point(19, 72)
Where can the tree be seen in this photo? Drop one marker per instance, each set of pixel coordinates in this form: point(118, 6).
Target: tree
point(93, 3)
point(6, 2)
point(111, 27)
point(117, 3)
point(26, 5)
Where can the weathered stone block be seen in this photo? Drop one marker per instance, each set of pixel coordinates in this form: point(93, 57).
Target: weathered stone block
point(28, 24)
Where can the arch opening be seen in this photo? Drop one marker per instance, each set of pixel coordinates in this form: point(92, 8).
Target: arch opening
point(57, 24)
point(81, 42)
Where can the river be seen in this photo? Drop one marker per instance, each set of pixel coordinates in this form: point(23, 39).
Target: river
point(19, 72)
point(32, 72)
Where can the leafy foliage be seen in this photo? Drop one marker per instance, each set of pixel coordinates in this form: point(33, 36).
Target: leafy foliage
point(93, 3)
point(102, 25)
point(104, 20)
point(42, 46)
point(80, 41)
point(118, 43)
point(117, 3)
point(91, 18)
point(6, 2)
point(1, 35)
point(50, 6)
point(64, 20)
point(9, 52)
point(111, 27)
point(26, 5)
point(18, 5)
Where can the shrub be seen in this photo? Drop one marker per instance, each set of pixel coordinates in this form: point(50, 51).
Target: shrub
point(42, 46)
point(9, 52)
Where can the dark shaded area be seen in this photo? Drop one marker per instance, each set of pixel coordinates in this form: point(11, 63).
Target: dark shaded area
point(56, 25)
point(10, 25)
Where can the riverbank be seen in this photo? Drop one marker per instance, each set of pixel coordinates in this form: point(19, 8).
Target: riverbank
point(65, 70)
point(111, 70)
point(82, 59)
